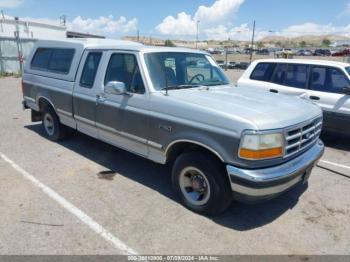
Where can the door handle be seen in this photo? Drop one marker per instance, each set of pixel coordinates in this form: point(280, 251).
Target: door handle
point(314, 98)
point(273, 91)
point(100, 99)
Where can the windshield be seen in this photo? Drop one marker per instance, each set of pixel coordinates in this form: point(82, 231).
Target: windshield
point(347, 69)
point(183, 70)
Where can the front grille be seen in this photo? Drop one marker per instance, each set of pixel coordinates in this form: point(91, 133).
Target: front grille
point(299, 138)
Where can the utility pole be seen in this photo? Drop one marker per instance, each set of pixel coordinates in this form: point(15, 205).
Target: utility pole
point(138, 35)
point(63, 20)
point(197, 33)
point(2, 20)
point(18, 42)
point(252, 47)
point(226, 62)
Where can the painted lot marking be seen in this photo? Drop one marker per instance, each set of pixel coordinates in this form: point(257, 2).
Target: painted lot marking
point(92, 224)
point(335, 164)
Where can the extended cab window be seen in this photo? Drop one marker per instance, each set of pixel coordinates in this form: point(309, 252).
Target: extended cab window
point(293, 75)
point(41, 59)
point(124, 68)
point(328, 79)
point(90, 69)
point(56, 60)
point(263, 71)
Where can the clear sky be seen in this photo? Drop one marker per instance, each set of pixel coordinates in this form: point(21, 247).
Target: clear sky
point(219, 19)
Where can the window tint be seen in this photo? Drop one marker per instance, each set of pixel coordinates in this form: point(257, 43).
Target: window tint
point(327, 79)
point(41, 58)
point(51, 59)
point(280, 74)
point(292, 75)
point(296, 76)
point(263, 71)
point(90, 69)
point(61, 59)
point(347, 69)
point(124, 68)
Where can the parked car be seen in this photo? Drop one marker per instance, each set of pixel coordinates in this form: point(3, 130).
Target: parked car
point(285, 53)
point(326, 83)
point(304, 53)
point(345, 52)
point(322, 52)
point(223, 142)
point(221, 63)
point(242, 65)
point(263, 52)
point(231, 65)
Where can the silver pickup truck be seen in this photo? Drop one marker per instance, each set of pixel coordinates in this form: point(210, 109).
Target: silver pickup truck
point(176, 106)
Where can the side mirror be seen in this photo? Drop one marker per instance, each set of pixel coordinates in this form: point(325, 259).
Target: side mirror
point(346, 90)
point(115, 88)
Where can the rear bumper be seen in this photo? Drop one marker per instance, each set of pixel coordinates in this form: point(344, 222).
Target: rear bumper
point(260, 184)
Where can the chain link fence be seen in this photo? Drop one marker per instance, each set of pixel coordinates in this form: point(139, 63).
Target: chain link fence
point(13, 53)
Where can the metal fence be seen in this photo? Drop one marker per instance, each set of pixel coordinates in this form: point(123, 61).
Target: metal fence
point(13, 52)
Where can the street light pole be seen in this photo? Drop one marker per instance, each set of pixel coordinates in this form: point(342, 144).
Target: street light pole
point(251, 49)
point(197, 33)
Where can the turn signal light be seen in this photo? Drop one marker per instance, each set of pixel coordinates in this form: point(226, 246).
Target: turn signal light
point(261, 154)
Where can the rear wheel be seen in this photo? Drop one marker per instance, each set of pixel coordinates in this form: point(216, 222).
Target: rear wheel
point(54, 130)
point(200, 182)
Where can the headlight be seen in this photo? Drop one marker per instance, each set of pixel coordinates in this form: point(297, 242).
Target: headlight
point(261, 146)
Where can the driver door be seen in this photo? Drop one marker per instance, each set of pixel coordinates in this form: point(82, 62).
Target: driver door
point(122, 119)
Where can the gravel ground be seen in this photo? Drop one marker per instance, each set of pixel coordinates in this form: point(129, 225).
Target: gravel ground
point(136, 205)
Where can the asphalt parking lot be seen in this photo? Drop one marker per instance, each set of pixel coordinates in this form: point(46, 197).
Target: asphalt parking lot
point(82, 196)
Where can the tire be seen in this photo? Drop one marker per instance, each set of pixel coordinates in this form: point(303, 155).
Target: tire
point(53, 129)
point(201, 183)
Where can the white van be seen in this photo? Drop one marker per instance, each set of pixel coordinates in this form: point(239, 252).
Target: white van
point(327, 83)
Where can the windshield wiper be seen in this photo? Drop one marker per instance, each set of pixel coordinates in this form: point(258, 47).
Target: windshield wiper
point(182, 86)
point(176, 87)
point(218, 83)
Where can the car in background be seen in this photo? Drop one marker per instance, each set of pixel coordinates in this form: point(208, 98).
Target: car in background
point(242, 65)
point(345, 52)
point(221, 63)
point(247, 51)
point(326, 83)
point(322, 52)
point(231, 65)
point(263, 52)
point(304, 53)
point(285, 52)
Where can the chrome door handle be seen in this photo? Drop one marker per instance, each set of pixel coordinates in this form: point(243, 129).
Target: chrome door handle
point(100, 99)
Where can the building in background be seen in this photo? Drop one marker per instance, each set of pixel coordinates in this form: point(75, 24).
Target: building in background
point(17, 36)
point(341, 43)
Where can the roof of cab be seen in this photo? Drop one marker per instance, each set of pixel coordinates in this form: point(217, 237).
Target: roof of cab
point(305, 61)
point(94, 43)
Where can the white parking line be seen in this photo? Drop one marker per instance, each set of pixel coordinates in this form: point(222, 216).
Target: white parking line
point(334, 164)
point(92, 224)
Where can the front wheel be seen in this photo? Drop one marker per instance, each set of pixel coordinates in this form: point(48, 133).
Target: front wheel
point(201, 183)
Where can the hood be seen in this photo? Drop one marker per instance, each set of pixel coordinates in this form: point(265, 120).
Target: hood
point(265, 110)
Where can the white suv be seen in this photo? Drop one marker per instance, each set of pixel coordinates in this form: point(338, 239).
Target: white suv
point(327, 83)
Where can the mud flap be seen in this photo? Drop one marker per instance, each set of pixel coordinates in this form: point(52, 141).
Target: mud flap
point(36, 116)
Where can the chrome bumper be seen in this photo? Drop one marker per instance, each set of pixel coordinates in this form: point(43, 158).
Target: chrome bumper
point(258, 184)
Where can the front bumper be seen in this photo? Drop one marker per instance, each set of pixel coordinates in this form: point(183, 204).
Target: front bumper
point(260, 184)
